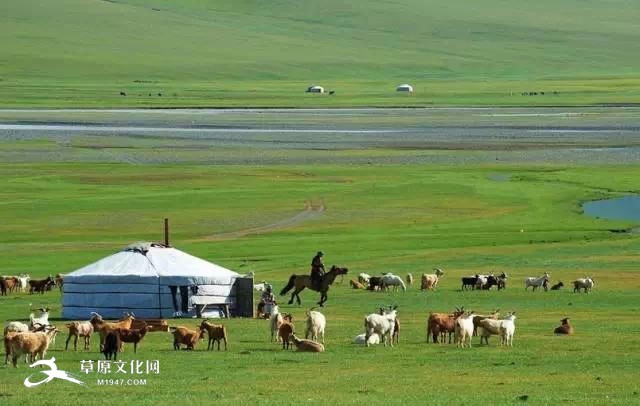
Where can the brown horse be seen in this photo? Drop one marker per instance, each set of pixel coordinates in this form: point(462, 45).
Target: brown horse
point(304, 281)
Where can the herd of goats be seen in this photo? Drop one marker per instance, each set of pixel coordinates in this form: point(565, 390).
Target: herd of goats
point(480, 282)
point(33, 340)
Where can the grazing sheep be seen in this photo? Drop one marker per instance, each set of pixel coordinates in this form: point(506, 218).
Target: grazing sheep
point(307, 345)
point(393, 280)
point(364, 278)
point(355, 284)
point(464, 330)
point(536, 282)
point(583, 283)
point(216, 332)
point(185, 336)
point(316, 324)
point(557, 286)
point(77, 329)
point(565, 328)
point(440, 324)
point(409, 279)
point(132, 336)
point(430, 281)
point(508, 329)
point(33, 344)
point(112, 345)
point(383, 325)
point(373, 339)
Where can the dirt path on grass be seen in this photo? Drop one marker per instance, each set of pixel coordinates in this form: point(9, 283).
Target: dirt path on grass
point(311, 211)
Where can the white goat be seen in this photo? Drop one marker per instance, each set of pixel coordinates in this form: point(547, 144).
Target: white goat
point(41, 321)
point(363, 278)
point(260, 287)
point(316, 323)
point(383, 325)
point(373, 339)
point(585, 283)
point(393, 280)
point(536, 282)
point(464, 330)
point(24, 282)
point(508, 329)
point(15, 327)
point(430, 281)
point(276, 320)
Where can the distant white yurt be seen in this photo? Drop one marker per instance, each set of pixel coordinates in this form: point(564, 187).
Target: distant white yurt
point(315, 89)
point(404, 88)
point(151, 281)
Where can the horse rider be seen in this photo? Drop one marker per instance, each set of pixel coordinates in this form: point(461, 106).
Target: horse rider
point(317, 270)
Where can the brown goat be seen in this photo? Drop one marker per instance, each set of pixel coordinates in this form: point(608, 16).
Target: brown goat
point(476, 320)
point(132, 336)
point(441, 324)
point(185, 336)
point(12, 283)
point(566, 328)
point(216, 332)
point(32, 344)
point(355, 284)
point(286, 330)
point(307, 345)
point(104, 327)
point(59, 281)
point(395, 339)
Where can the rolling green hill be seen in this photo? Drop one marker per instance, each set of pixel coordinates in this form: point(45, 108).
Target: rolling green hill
point(265, 53)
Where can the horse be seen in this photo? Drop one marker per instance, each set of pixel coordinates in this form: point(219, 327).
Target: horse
point(304, 281)
point(536, 282)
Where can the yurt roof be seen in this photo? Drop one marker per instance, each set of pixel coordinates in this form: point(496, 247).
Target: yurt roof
point(139, 262)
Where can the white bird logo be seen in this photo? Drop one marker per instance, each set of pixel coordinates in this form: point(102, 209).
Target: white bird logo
point(52, 374)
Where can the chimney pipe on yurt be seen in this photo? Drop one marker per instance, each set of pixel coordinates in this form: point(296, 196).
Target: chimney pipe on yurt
point(166, 232)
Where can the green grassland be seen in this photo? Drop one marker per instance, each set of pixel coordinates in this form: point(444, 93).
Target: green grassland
point(57, 217)
point(255, 53)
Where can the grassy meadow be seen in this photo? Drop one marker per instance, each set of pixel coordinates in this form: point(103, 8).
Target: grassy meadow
point(57, 217)
point(249, 53)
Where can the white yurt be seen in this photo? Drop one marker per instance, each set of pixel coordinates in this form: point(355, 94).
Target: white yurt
point(152, 281)
point(315, 89)
point(404, 88)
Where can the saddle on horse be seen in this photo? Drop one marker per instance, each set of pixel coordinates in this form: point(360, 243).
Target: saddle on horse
point(317, 275)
